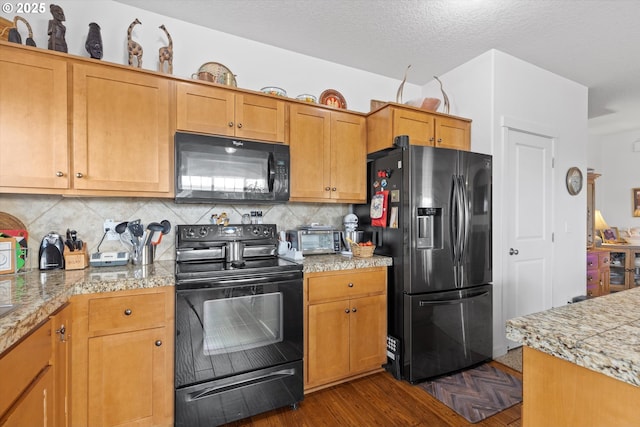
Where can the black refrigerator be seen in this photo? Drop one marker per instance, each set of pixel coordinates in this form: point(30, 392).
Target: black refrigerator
point(430, 210)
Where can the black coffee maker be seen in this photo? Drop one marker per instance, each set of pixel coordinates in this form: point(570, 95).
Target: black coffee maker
point(52, 252)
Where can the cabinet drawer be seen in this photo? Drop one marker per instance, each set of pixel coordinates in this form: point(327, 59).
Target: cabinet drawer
point(598, 259)
point(125, 313)
point(592, 260)
point(593, 277)
point(21, 364)
point(346, 285)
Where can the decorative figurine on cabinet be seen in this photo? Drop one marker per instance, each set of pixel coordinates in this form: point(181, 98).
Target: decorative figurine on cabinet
point(165, 53)
point(57, 29)
point(14, 35)
point(135, 50)
point(94, 41)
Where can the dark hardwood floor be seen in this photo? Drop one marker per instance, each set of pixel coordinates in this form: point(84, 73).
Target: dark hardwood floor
point(377, 400)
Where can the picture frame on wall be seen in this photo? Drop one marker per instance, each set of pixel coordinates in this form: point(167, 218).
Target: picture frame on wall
point(635, 201)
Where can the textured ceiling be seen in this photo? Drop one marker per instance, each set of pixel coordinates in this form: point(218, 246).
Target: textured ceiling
point(593, 42)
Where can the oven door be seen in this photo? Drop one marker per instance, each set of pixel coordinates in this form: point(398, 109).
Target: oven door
point(237, 326)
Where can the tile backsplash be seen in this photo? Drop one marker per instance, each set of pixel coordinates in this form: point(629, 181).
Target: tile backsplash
point(42, 214)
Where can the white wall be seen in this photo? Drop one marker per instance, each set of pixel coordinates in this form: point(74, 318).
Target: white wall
point(255, 64)
point(494, 86)
point(613, 157)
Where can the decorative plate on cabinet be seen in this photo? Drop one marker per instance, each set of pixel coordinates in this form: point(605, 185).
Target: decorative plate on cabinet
point(333, 98)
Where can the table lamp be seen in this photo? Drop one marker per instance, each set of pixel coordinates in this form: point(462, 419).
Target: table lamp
point(599, 224)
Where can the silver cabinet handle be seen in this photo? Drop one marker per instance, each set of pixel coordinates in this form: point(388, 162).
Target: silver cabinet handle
point(239, 125)
point(59, 174)
point(230, 124)
point(79, 175)
point(62, 330)
point(327, 188)
point(353, 310)
point(127, 312)
point(513, 251)
point(158, 343)
point(350, 285)
point(346, 310)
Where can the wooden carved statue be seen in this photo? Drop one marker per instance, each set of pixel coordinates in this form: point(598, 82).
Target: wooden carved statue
point(57, 29)
point(135, 50)
point(165, 53)
point(94, 41)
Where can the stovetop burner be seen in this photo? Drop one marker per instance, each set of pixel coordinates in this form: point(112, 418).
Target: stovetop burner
point(214, 254)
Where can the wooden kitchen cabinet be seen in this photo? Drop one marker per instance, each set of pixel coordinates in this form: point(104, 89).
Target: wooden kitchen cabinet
point(61, 353)
point(27, 397)
point(122, 354)
point(35, 408)
point(75, 127)
point(624, 266)
point(34, 152)
point(204, 108)
point(422, 127)
point(328, 155)
point(345, 325)
point(597, 273)
point(122, 140)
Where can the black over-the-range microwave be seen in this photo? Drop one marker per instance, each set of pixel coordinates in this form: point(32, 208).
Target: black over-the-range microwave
point(215, 168)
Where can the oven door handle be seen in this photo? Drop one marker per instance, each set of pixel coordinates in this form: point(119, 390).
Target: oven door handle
point(222, 388)
point(240, 280)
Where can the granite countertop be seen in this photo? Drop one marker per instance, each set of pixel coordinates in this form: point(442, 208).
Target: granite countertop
point(320, 263)
point(38, 294)
point(601, 334)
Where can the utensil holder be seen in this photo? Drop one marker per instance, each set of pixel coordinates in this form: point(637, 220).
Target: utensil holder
point(148, 254)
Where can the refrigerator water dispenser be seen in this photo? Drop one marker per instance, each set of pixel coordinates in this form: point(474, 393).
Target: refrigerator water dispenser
point(429, 228)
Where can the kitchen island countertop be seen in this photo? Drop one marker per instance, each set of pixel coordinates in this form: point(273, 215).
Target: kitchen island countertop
point(601, 334)
point(38, 294)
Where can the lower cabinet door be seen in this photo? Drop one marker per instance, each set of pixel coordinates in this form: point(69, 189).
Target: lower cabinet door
point(368, 333)
point(328, 342)
point(127, 379)
point(35, 408)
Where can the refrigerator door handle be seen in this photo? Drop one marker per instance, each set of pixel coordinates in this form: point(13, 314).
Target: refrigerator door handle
point(423, 303)
point(453, 220)
point(465, 218)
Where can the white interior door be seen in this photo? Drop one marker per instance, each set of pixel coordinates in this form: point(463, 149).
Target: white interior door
point(529, 232)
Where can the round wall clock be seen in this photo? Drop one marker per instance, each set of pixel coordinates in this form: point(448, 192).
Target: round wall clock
point(574, 181)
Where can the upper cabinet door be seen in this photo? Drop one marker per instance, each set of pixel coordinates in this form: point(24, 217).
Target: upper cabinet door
point(310, 149)
point(121, 130)
point(205, 109)
point(260, 117)
point(419, 126)
point(453, 133)
point(348, 157)
point(33, 121)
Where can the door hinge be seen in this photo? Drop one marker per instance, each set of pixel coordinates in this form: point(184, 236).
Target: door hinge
point(553, 237)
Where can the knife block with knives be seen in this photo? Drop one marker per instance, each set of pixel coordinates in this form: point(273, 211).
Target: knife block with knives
point(77, 259)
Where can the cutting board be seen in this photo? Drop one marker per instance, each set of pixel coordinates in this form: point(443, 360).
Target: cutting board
point(10, 222)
